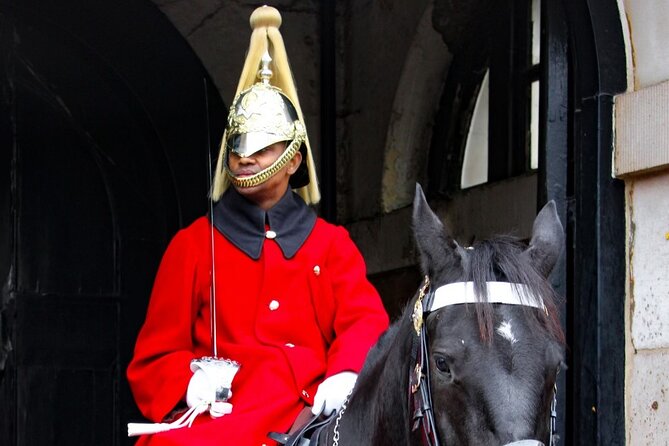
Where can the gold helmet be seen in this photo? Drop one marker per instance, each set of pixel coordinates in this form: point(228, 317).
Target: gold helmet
point(265, 111)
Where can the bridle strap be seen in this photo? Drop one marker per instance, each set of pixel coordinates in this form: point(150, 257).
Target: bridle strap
point(525, 443)
point(420, 395)
point(553, 439)
point(498, 293)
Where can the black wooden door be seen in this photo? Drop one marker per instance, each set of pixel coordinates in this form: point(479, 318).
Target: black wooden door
point(102, 158)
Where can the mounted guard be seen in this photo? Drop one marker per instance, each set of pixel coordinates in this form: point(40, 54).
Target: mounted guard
point(261, 308)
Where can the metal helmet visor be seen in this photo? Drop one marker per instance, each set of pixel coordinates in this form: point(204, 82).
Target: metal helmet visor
point(259, 117)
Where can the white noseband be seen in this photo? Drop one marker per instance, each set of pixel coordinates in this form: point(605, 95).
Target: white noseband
point(525, 443)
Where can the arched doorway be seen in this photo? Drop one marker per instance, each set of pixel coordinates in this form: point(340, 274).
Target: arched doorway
point(103, 120)
point(556, 107)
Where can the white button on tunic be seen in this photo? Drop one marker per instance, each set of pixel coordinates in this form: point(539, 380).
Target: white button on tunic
point(270, 235)
point(273, 305)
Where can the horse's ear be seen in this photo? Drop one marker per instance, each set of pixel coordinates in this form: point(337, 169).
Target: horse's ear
point(438, 250)
point(547, 239)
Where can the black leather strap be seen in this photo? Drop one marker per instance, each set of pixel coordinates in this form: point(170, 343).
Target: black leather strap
point(420, 396)
point(308, 434)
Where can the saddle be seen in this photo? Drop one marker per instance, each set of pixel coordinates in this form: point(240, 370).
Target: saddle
point(306, 430)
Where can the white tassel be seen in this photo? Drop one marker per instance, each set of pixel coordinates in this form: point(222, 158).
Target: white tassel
point(135, 429)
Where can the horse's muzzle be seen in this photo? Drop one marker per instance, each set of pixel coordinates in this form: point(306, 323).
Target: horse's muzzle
point(525, 443)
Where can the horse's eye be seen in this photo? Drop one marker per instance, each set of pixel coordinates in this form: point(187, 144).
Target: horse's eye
point(442, 364)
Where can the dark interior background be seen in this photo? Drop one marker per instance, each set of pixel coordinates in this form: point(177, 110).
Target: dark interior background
point(103, 156)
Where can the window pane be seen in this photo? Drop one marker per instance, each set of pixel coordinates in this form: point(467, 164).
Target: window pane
point(534, 126)
point(536, 31)
point(475, 163)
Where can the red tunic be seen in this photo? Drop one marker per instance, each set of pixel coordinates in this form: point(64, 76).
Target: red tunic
point(290, 323)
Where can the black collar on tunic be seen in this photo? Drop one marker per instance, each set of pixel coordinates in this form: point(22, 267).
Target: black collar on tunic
point(243, 222)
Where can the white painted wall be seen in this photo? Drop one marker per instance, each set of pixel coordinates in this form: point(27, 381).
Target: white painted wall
point(647, 370)
point(649, 32)
point(640, 162)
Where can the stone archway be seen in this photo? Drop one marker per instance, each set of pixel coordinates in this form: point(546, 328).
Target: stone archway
point(416, 101)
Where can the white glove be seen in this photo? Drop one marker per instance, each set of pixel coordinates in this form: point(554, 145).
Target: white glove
point(333, 392)
point(200, 390)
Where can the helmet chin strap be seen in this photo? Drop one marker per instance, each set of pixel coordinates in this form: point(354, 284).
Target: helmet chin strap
point(267, 173)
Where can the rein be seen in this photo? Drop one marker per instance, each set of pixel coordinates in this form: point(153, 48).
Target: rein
point(420, 395)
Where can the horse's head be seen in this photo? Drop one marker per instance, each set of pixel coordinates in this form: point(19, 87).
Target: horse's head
point(492, 366)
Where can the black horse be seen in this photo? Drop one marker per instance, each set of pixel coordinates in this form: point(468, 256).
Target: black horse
point(471, 363)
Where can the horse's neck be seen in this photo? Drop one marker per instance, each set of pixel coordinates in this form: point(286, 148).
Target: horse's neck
point(378, 410)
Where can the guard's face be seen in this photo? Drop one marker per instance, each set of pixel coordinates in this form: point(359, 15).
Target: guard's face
point(275, 186)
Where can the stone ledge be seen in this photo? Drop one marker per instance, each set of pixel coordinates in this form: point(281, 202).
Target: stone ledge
point(504, 207)
point(642, 130)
